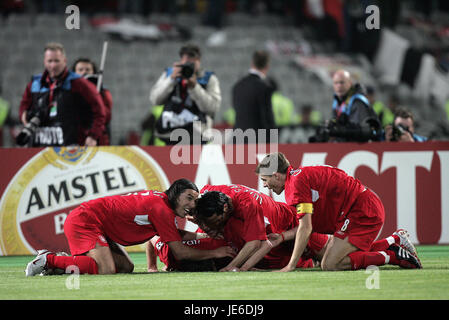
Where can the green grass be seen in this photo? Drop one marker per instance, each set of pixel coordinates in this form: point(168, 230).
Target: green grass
point(431, 282)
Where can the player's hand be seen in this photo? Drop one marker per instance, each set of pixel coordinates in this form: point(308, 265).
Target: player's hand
point(229, 268)
point(225, 251)
point(287, 268)
point(153, 269)
point(275, 239)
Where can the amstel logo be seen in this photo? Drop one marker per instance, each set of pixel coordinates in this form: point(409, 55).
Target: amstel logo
point(56, 180)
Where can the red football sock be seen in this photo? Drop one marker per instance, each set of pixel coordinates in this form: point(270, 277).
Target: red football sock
point(85, 264)
point(382, 245)
point(362, 259)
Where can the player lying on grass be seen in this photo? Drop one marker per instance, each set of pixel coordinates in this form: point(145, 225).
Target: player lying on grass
point(246, 219)
point(161, 249)
point(327, 200)
point(96, 227)
point(272, 260)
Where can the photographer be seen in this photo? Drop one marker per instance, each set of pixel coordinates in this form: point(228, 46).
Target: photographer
point(87, 69)
point(189, 94)
point(60, 108)
point(403, 128)
point(354, 120)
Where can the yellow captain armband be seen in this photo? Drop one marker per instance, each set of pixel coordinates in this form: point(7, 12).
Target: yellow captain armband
point(304, 208)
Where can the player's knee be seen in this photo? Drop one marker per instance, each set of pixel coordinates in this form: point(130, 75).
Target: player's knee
point(128, 268)
point(329, 265)
point(105, 269)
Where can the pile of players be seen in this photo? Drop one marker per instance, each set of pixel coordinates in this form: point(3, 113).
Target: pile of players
point(330, 220)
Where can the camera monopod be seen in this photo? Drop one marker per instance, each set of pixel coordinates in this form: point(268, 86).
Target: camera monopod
point(103, 59)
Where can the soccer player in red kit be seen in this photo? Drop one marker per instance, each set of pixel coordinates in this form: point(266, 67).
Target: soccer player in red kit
point(241, 215)
point(327, 200)
point(162, 250)
point(94, 229)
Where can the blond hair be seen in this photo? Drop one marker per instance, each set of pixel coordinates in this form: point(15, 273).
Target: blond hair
point(55, 46)
point(273, 162)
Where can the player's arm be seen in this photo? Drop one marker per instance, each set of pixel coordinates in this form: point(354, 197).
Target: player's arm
point(188, 235)
point(302, 236)
point(274, 239)
point(263, 250)
point(151, 256)
point(183, 252)
point(250, 248)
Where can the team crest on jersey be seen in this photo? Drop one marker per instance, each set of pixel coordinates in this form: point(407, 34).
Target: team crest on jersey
point(295, 172)
point(39, 197)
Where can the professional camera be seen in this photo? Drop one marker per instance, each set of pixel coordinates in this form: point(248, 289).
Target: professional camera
point(92, 78)
point(398, 131)
point(342, 130)
point(322, 134)
point(187, 69)
point(35, 117)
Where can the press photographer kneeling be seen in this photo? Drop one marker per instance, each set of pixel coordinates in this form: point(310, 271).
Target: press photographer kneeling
point(403, 128)
point(353, 118)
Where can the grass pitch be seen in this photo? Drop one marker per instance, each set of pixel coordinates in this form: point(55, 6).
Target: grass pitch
point(390, 282)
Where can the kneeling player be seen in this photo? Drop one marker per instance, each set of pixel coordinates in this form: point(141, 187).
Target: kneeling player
point(97, 229)
point(327, 200)
point(244, 217)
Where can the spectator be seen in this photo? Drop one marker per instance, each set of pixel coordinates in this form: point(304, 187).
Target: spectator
point(385, 113)
point(353, 117)
point(251, 96)
point(283, 107)
point(403, 128)
point(189, 94)
point(87, 69)
point(59, 107)
point(309, 116)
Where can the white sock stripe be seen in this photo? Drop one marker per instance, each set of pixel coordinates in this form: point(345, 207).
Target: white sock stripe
point(390, 240)
point(387, 257)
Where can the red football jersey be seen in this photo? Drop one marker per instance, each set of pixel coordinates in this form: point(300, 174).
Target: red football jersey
point(135, 218)
point(249, 206)
point(331, 191)
point(257, 210)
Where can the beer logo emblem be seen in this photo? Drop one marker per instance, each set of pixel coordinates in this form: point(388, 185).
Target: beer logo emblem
point(62, 157)
point(36, 202)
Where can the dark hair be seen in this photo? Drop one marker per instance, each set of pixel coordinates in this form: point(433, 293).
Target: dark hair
point(192, 50)
point(403, 113)
point(178, 187)
point(261, 59)
point(210, 203)
point(84, 60)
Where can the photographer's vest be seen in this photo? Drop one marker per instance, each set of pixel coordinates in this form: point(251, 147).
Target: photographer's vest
point(180, 111)
point(60, 111)
point(345, 106)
